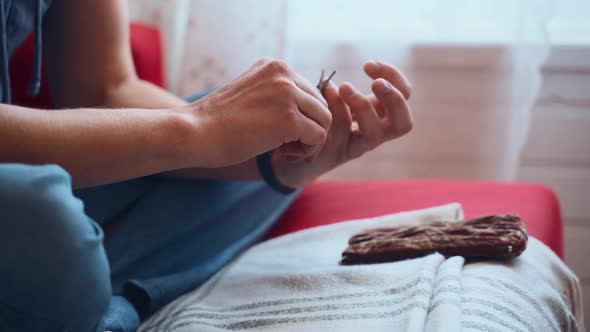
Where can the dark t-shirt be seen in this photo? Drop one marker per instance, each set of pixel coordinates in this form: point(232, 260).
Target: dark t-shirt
point(19, 20)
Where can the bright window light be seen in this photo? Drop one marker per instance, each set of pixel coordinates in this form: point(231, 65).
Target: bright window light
point(438, 21)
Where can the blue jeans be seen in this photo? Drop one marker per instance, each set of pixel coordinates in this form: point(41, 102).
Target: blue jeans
point(167, 237)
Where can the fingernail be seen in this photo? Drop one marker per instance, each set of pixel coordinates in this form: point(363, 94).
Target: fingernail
point(372, 65)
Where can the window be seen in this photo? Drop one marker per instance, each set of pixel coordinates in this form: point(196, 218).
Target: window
point(438, 21)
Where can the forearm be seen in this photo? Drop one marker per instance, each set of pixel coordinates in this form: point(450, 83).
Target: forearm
point(96, 146)
point(138, 93)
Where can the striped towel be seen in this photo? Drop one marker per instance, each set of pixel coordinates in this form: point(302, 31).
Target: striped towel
point(294, 283)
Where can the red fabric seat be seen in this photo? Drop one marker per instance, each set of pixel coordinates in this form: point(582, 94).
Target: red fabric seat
point(328, 202)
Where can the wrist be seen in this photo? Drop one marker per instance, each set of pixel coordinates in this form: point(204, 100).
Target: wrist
point(266, 171)
point(175, 138)
point(290, 174)
point(297, 174)
point(197, 140)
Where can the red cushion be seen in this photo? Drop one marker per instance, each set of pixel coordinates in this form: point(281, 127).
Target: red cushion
point(145, 48)
point(332, 201)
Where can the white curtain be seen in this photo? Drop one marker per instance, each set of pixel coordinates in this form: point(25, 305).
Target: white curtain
point(474, 64)
point(208, 42)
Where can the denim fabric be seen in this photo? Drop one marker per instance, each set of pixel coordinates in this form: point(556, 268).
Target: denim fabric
point(54, 274)
point(170, 237)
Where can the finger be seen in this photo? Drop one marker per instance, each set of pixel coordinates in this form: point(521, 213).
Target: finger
point(336, 104)
point(313, 109)
point(341, 117)
point(293, 149)
point(377, 105)
point(398, 120)
point(317, 150)
point(370, 126)
point(377, 70)
point(310, 133)
point(306, 86)
point(295, 152)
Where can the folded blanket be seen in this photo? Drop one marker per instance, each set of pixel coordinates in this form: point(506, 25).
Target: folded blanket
point(294, 283)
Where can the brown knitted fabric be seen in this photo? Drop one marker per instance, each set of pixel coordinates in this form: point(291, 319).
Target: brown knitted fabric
point(496, 236)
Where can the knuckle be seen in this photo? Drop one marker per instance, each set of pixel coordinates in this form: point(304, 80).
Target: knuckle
point(262, 61)
point(278, 66)
point(291, 116)
point(284, 88)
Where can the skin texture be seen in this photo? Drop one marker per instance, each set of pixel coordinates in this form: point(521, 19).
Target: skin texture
point(108, 114)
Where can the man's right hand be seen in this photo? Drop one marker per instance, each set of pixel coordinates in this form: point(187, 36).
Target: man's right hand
point(267, 107)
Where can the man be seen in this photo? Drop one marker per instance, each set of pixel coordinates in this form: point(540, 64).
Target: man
point(124, 153)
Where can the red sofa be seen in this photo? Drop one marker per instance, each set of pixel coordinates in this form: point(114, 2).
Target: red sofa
point(327, 202)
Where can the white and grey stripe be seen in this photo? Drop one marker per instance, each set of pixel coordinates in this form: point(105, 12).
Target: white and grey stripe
point(294, 283)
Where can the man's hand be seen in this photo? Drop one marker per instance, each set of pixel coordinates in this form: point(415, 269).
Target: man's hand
point(267, 107)
point(360, 124)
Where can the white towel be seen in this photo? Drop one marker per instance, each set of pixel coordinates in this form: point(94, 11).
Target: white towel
point(294, 283)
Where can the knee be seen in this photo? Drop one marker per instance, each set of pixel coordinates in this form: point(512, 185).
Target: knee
point(51, 251)
point(37, 202)
point(39, 193)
